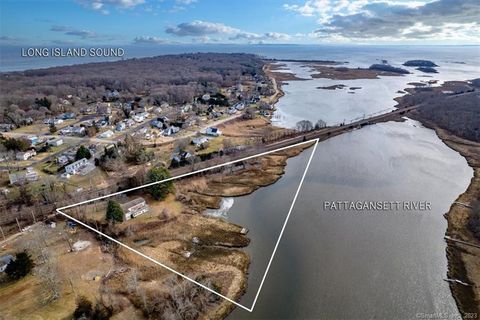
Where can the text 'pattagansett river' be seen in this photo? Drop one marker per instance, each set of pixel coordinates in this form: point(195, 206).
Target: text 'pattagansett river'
point(377, 205)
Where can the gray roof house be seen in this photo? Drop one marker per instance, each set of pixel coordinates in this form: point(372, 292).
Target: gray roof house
point(134, 208)
point(4, 261)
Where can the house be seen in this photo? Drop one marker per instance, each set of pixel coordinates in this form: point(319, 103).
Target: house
point(212, 131)
point(5, 127)
point(120, 126)
point(103, 109)
point(112, 94)
point(26, 155)
point(231, 110)
point(33, 140)
point(160, 122)
point(62, 160)
point(129, 122)
point(170, 130)
point(266, 106)
point(146, 109)
point(199, 141)
point(78, 131)
point(55, 142)
point(77, 166)
point(187, 108)
point(239, 106)
point(4, 261)
point(68, 116)
point(106, 134)
point(134, 208)
point(138, 118)
point(52, 121)
point(181, 159)
point(23, 177)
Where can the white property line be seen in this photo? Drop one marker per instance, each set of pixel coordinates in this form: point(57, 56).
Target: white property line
point(59, 210)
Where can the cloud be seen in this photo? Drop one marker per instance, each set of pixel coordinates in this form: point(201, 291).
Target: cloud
point(103, 5)
point(391, 19)
point(148, 40)
point(58, 28)
point(269, 36)
point(63, 42)
point(9, 39)
point(200, 28)
point(84, 34)
point(185, 2)
point(70, 31)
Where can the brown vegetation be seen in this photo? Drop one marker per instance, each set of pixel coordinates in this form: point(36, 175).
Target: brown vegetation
point(170, 78)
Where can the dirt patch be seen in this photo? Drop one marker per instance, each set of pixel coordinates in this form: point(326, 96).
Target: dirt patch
point(79, 273)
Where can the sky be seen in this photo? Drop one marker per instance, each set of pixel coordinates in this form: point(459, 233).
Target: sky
point(158, 22)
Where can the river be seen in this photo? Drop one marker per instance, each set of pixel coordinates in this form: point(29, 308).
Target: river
point(363, 264)
point(354, 264)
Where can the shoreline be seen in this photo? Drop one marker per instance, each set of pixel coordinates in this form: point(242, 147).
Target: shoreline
point(272, 167)
point(462, 259)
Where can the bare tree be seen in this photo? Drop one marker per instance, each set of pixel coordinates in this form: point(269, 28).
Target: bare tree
point(48, 274)
point(304, 125)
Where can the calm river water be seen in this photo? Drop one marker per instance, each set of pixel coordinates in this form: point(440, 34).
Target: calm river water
point(357, 264)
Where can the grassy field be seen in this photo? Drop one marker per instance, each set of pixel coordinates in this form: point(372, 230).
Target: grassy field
point(40, 128)
point(23, 299)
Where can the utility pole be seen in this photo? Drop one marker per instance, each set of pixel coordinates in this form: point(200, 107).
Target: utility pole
point(18, 224)
point(3, 234)
point(69, 244)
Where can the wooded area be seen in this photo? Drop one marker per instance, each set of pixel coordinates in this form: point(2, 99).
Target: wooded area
point(170, 78)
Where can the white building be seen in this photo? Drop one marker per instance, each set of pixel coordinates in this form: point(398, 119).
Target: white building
point(106, 134)
point(55, 142)
point(75, 167)
point(170, 130)
point(62, 160)
point(4, 261)
point(199, 141)
point(120, 126)
point(212, 131)
point(134, 208)
point(26, 155)
point(138, 118)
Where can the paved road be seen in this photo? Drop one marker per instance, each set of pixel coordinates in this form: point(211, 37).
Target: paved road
point(321, 134)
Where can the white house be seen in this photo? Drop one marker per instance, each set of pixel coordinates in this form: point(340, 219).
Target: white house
point(75, 167)
point(138, 118)
point(129, 122)
point(120, 126)
point(212, 131)
point(26, 155)
point(55, 142)
point(240, 106)
point(4, 261)
point(134, 208)
point(231, 110)
point(62, 160)
point(199, 141)
point(106, 134)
